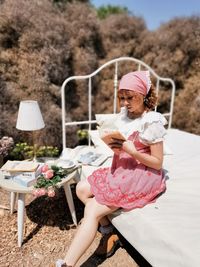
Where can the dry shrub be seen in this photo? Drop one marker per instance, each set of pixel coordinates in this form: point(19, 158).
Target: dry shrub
point(187, 106)
point(39, 45)
point(173, 48)
point(42, 43)
point(120, 34)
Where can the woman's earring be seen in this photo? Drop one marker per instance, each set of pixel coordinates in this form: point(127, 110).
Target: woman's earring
point(145, 101)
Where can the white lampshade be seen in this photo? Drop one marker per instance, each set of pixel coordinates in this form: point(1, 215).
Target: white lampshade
point(29, 116)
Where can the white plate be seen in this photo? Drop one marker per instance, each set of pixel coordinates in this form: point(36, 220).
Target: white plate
point(66, 163)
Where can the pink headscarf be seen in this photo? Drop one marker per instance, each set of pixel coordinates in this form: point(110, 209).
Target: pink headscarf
point(138, 81)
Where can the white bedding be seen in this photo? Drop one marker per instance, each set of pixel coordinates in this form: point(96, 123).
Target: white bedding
point(167, 232)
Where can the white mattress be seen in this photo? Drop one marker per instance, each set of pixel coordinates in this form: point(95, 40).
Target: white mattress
point(167, 232)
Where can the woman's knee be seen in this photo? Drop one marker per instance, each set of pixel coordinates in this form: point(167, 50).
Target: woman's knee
point(79, 188)
point(82, 189)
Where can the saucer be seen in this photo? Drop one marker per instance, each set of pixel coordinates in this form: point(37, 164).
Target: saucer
point(65, 163)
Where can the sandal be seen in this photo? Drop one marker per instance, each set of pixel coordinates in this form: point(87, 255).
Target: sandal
point(109, 243)
point(61, 263)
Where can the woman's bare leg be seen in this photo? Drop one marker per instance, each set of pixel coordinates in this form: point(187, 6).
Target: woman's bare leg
point(87, 230)
point(84, 194)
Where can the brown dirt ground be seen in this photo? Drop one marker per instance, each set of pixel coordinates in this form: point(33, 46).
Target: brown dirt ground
point(48, 233)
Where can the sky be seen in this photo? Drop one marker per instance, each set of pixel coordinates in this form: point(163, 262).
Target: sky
point(155, 12)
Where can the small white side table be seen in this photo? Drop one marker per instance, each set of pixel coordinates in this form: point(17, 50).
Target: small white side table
point(21, 191)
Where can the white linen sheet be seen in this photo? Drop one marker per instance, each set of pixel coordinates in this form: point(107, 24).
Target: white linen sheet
point(167, 232)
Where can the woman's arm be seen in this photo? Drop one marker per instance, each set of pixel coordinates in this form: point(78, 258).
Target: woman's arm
point(154, 160)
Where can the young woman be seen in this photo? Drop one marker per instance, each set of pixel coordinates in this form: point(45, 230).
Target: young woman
point(135, 177)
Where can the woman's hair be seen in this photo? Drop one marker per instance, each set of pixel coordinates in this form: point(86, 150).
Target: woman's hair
point(150, 100)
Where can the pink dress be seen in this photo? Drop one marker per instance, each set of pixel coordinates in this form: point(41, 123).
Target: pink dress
point(128, 183)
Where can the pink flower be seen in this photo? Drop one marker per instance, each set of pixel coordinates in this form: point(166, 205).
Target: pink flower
point(51, 192)
point(39, 192)
point(45, 168)
point(6, 144)
point(42, 191)
point(49, 174)
point(36, 192)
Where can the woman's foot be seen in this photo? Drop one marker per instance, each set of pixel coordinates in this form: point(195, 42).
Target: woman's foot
point(61, 263)
point(109, 243)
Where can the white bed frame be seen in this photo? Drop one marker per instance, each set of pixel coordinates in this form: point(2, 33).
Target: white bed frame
point(116, 62)
point(167, 232)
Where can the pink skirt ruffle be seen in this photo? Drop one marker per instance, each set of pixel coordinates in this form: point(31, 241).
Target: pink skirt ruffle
point(125, 188)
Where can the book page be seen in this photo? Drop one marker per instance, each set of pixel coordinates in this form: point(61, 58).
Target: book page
point(19, 166)
point(92, 158)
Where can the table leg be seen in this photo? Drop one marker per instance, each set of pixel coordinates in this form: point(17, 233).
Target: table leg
point(70, 201)
point(20, 217)
point(4, 207)
point(13, 197)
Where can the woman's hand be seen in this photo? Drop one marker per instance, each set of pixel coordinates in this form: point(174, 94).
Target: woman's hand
point(118, 145)
point(129, 147)
point(153, 160)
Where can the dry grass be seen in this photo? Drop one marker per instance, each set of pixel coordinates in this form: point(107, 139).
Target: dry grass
point(48, 233)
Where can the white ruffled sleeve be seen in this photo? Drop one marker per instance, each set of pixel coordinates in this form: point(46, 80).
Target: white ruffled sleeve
point(152, 128)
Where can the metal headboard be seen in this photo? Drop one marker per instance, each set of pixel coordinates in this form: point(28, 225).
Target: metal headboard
point(89, 122)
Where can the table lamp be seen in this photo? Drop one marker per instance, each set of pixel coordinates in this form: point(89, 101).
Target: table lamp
point(30, 119)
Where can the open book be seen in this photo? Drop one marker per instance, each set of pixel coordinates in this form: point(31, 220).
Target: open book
point(110, 137)
point(109, 130)
point(20, 166)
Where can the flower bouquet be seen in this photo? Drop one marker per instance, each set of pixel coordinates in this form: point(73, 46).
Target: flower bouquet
point(48, 180)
